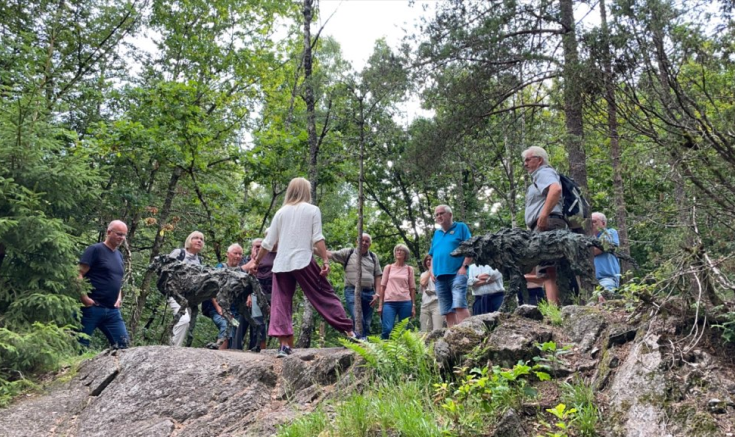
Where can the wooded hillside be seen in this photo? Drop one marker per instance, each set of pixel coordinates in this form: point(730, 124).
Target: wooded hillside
point(204, 128)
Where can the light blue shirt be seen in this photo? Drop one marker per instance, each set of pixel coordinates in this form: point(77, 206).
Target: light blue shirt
point(442, 245)
point(607, 264)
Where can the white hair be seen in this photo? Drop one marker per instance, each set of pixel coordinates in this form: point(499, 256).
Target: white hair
point(446, 208)
point(536, 151)
point(600, 216)
point(233, 246)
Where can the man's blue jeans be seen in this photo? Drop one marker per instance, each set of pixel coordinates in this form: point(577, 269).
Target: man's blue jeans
point(390, 311)
point(367, 311)
point(109, 321)
point(221, 324)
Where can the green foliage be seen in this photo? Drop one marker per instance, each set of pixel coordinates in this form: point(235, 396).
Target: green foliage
point(727, 327)
point(582, 398)
point(404, 409)
point(564, 418)
point(551, 354)
point(551, 312)
point(23, 353)
point(309, 425)
point(404, 356)
point(480, 395)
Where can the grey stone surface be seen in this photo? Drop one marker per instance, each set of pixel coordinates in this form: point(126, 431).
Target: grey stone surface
point(164, 391)
point(583, 325)
point(529, 312)
point(510, 425)
point(515, 340)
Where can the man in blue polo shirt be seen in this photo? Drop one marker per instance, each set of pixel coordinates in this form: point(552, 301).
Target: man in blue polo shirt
point(450, 272)
point(102, 265)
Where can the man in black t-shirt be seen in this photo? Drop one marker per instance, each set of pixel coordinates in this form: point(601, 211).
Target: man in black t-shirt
point(102, 265)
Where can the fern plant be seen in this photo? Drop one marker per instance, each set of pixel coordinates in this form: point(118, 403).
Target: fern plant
point(403, 356)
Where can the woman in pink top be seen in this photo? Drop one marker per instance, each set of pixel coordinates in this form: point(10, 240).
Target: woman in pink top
point(397, 291)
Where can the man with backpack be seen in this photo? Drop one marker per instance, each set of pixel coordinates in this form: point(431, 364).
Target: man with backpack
point(371, 274)
point(544, 209)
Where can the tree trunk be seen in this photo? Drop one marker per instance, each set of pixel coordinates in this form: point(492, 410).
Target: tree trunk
point(155, 250)
point(573, 111)
point(573, 98)
point(307, 321)
point(612, 122)
point(357, 310)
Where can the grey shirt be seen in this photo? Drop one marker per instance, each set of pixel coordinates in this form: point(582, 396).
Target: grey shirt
point(543, 177)
point(370, 268)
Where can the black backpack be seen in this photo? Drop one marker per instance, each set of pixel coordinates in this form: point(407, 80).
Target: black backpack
point(347, 260)
point(182, 255)
point(576, 208)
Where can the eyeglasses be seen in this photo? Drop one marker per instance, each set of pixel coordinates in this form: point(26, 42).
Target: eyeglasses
point(439, 214)
point(530, 158)
point(120, 234)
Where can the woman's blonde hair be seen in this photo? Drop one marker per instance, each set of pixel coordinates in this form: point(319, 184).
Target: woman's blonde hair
point(404, 248)
point(299, 190)
point(187, 242)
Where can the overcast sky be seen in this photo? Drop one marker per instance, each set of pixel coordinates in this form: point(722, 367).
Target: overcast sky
point(356, 24)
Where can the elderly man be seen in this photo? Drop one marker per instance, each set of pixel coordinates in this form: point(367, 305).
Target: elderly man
point(544, 208)
point(607, 267)
point(102, 265)
point(450, 273)
point(371, 274)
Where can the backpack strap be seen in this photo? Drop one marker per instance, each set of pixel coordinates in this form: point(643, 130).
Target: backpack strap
point(347, 260)
point(181, 255)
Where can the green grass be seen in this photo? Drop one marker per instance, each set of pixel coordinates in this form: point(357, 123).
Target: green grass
point(551, 312)
point(582, 397)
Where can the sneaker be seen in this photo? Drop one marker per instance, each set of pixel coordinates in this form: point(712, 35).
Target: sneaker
point(284, 351)
point(356, 339)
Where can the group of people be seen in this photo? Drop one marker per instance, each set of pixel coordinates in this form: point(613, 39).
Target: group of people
point(285, 258)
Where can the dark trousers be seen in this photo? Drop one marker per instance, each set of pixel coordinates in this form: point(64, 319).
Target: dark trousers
point(366, 296)
point(109, 321)
point(487, 303)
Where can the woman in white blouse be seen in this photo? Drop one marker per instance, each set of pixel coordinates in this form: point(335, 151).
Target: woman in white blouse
point(430, 317)
point(487, 287)
point(297, 228)
point(397, 291)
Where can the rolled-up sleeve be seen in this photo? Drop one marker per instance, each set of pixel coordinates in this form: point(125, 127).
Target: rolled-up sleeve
point(316, 228)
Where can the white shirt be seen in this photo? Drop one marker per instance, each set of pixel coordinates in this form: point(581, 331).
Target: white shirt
point(496, 280)
point(296, 229)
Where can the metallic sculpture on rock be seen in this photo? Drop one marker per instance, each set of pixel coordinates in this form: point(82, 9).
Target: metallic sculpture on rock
point(191, 284)
point(516, 251)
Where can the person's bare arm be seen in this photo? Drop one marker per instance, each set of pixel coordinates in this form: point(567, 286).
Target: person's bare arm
point(321, 250)
point(83, 270)
point(552, 198)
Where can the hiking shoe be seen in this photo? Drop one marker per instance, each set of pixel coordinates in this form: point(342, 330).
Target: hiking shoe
point(284, 351)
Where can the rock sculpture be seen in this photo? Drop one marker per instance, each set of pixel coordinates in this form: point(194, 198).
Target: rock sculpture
point(191, 284)
point(517, 251)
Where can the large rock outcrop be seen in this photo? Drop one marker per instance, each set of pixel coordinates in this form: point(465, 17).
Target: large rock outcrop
point(651, 378)
point(164, 391)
